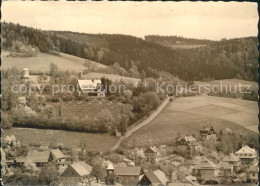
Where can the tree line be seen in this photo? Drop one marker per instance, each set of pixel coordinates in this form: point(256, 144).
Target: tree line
point(234, 58)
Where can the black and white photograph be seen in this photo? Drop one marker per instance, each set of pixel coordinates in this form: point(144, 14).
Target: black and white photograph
point(129, 93)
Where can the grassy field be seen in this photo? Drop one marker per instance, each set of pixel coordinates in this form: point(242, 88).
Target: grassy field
point(27, 136)
point(229, 82)
point(90, 109)
point(111, 77)
point(42, 62)
point(187, 115)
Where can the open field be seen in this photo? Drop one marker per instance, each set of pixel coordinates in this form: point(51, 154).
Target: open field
point(187, 115)
point(230, 83)
point(42, 62)
point(90, 109)
point(27, 136)
point(111, 77)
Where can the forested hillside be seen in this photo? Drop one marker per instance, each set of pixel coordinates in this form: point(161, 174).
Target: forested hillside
point(175, 40)
point(235, 58)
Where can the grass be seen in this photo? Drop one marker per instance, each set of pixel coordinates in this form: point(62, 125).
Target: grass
point(27, 136)
point(112, 77)
point(187, 115)
point(230, 82)
point(42, 62)
point(90, 109)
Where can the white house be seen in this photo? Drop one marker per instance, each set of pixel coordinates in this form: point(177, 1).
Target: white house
point(246, 154)
point(91, 87)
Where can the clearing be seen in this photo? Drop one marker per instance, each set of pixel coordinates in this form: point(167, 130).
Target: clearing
point(187, 115)
point(42, 62)
point(28, 136)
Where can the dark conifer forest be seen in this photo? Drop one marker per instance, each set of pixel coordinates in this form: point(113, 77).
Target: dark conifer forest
point(233, 58)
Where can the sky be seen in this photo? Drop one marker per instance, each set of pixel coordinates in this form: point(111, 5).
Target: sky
point(202, 20)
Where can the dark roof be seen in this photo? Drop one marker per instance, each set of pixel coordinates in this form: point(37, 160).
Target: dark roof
point(128, 171)
point(150, 150)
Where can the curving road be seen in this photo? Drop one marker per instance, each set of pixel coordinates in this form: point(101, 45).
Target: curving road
point(137, 126)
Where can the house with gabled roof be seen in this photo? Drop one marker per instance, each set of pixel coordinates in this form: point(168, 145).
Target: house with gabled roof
point(247, 155)
point(186, 143)
point(123, 175)
point(57, 156)
point(234, 160)
point(91, 87)
point(40, 158)
point(154, 178)
point(205, 170)
point(208, 133)
point(150, 154)
point(76, 172)
point(225, 169)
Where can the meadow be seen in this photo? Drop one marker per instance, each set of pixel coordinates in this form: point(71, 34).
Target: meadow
point(188, 115)
point(29, 136)
point(42, 62)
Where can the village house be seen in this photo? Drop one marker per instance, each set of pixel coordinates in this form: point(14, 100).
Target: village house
point(206, 170)
point(40, 158)
point(208, 133)
point(150, 154)
point(91, 87)
point(225, 169)
point(57, 156)
point(123, 175)
point(233, 160)
point(247, 155)
point(154, 178)
point(252, 173)
point(186, 143)
point(76, 172)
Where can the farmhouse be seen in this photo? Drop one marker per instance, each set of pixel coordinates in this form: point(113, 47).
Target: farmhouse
point(57, 156)
point(76, 172)
point(246, 154)
point(206, 170)
point(40, 158)
point(150, 154)
point(225, 169)
point(234, 160)
point(92, 87)
point(123, 175)
point(154, 178)
point(186, 143)
point(208, 133)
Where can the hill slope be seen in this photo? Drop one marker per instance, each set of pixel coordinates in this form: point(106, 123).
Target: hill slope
point(224, 59)
point(187, 115)
point(43, 60)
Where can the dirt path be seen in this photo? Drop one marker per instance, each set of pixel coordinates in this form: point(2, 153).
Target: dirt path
point(137, 126)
